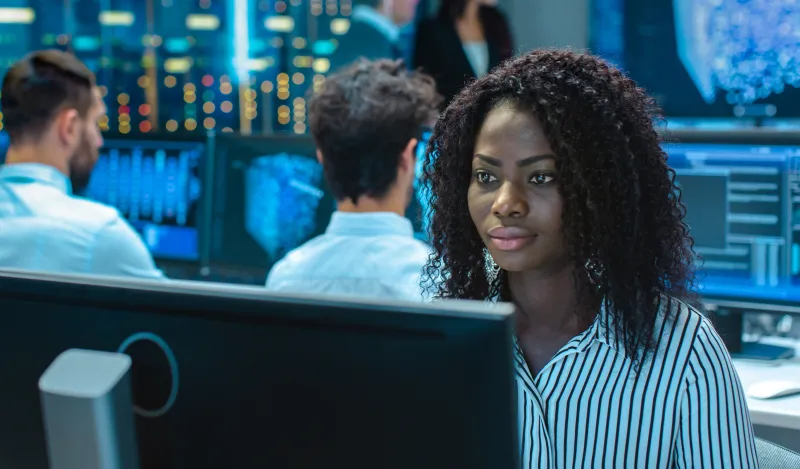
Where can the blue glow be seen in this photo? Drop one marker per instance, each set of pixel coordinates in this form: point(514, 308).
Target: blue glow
point(86, 43)
point(257, 46)
point(283, 193)
point(748, 48)
point(177, 45)
point(241, 39)
point(743, 211)
point(421, 191)
point(323, 48)
point(3, 146)
point(173, 371)
point(156, 186)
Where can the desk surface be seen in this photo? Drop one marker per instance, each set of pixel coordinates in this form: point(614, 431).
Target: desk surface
point(782, 412)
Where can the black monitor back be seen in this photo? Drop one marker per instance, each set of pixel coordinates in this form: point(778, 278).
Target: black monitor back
point(229, 376)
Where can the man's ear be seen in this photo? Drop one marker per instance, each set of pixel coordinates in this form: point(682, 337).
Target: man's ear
point(67, 127)
point(319, 156)
point(408, 158)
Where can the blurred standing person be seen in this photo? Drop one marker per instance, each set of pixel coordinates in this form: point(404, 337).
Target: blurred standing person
point(464, 41)
point(374, 31)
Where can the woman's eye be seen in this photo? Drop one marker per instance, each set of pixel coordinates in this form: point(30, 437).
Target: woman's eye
point(542, 179)
point(483, 177)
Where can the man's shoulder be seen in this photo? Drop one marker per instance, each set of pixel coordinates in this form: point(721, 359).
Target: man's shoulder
point(91, 214)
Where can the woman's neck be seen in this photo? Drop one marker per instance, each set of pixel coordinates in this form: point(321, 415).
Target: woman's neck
point(470, 14)
point(549, 302)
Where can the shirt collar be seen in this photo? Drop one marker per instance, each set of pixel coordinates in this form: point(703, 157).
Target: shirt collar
point(603, 330)
point(36, 172)
point(383, 24)
point(369, 224)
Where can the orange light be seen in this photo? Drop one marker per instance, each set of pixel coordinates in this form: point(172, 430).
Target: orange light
point(145, 126)
point(209, 123)
point(144, 109)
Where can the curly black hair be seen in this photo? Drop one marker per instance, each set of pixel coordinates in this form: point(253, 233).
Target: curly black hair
point(622, 209)
point(363, 118)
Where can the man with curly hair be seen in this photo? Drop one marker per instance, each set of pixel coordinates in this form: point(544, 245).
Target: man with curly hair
point(549, 189)
point(366, 122)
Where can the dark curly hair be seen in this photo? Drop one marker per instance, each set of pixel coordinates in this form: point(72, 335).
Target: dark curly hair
point(363, 118)
point(622, 209)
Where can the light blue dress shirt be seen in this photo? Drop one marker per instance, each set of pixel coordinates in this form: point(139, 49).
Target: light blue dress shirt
point(365, 254)
point(44, 227)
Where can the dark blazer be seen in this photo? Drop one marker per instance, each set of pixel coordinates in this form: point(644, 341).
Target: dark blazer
point(439, 52)
point(362, 40)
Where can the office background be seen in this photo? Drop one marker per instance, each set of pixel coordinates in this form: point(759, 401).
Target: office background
point(207, 150)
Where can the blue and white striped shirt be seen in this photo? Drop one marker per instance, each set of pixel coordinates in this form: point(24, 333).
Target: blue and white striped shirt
point(685, 408)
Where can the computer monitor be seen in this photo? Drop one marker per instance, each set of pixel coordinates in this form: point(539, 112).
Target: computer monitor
point(230, 376)
point(157, 184)
point(269, 198)
point(705, 58)
point(742, 195)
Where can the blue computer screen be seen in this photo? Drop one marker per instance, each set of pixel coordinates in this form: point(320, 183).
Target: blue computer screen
point(419, 209)
point(721, 58)
point(269, 198)
point(743, 211)
point(157, 187)
point(3, 146)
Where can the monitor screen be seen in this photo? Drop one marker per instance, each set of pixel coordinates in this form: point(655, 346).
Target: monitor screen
point(419, 209)
point(157, 185)
point(743, 210)
point(269, 198)
point(3, 146)
point(705, 58)
point(228, 376)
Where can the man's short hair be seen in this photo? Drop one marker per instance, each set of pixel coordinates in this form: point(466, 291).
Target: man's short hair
point(363, 119)
point(39, 86)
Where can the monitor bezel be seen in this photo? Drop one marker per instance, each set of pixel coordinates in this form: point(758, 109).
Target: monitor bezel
point(243, 303)
point(754, 136)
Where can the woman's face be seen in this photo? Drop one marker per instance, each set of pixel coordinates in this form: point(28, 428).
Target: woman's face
point(513, 195)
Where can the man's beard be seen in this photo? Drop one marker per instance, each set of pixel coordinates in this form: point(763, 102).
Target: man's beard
point(81, 165)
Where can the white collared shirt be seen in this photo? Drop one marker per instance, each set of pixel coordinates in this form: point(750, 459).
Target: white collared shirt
point(685, 408)
point(44, 227)
point(364, 254)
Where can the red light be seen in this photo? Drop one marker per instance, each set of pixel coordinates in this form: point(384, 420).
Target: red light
point(207, 80)
point(144, 109)
point(124, 110)
point(145, 126)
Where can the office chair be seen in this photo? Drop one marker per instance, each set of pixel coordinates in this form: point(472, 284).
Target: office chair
point(772, 456)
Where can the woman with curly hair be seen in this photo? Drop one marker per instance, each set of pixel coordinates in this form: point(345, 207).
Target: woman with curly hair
point(549, 189)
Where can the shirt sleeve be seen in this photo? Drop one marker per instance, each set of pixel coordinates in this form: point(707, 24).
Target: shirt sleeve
point(119, 251)
point(715, 429)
